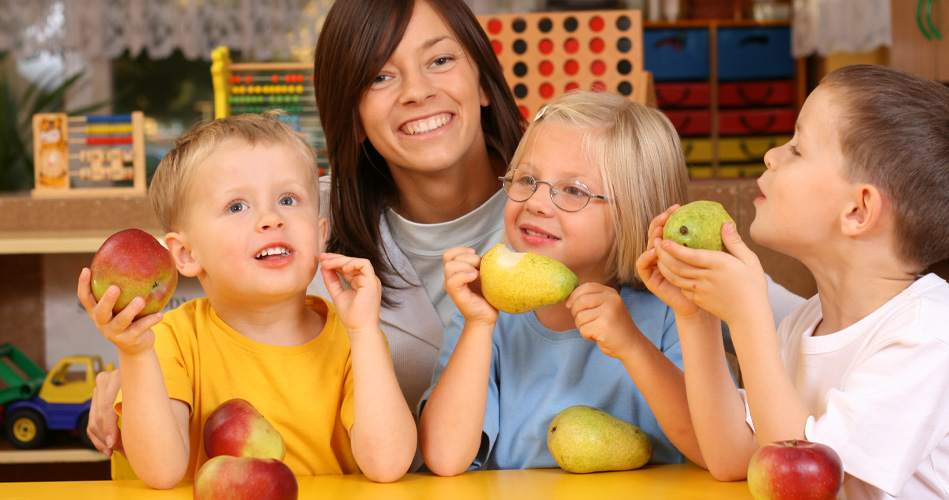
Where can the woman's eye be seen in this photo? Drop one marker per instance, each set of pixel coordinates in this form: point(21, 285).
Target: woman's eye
point(441, 61)
point(574, 191)
point(381, 79)
point(288, 201)
point(237, 207)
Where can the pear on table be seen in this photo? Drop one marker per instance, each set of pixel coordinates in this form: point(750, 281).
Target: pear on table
point(518, 282)
point(587, 439)
point(697, 225)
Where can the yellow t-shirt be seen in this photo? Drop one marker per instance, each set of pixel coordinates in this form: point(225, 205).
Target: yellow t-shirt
point(305, 391)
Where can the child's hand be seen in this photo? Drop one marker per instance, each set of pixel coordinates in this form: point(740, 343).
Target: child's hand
point(724, 284)
point(601, 317)
point(461, 270)
point(358, 306)
point(647, 265)
point(129, 335)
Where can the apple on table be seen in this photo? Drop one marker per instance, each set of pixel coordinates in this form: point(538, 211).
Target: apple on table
point(250, 478)
point(237, 429)
point(795, 470)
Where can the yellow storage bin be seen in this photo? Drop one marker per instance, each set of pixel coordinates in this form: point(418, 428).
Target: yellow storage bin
point(697, 150)
point(748, 148)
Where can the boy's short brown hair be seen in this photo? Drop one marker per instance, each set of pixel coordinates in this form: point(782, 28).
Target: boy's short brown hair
point(894, 134)
point(169, 187)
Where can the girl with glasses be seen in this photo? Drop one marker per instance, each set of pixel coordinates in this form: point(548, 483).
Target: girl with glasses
point(590, 174)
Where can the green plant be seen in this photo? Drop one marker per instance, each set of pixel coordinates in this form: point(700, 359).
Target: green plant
point(16, 124)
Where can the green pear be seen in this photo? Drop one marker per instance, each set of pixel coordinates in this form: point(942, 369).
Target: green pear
point(697, 225)
point(516, 282)
point(587, 439)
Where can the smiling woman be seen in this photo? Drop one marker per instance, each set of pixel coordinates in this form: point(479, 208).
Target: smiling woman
point(419, 124)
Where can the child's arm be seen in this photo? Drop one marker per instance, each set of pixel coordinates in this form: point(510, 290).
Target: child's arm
point(725, 440)
point(602, 317)
point(384, 435)
point(732, 286)
point(451, 425)
point(155, 427)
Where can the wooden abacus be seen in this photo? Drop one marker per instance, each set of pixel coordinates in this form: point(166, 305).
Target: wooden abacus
point(548, 53)
point(88, 156)
point(257, 87)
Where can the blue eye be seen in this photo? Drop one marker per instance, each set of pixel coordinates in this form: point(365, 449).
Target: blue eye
point(237, 206)
point(288, 201)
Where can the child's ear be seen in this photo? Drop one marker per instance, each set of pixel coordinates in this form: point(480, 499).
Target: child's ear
point(180, 251)
point(322, 230)
point(864, 211)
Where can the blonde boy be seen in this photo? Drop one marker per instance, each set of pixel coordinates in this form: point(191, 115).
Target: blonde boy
point(240, 202)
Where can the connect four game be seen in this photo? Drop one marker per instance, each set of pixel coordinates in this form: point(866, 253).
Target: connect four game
point(257, 87)
point(546, 54)
point(88, 156)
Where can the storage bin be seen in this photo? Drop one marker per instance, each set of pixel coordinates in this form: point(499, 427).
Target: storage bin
point(756, 121)
point(754, 53)
point(690, 121)
point(697, 150)
point(676, 54)
point(682, 95)
point(750, 148)
point(757, 93)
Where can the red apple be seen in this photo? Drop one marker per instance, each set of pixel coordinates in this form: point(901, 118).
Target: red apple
point(237, 429)
point(795, 470)
point(239, 478)
point(139, 265)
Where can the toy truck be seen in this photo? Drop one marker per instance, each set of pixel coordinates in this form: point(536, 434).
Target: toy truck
point(21, 382)
point(61, 404)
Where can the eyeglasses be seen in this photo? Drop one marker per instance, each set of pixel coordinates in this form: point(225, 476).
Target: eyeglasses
point(568, 195)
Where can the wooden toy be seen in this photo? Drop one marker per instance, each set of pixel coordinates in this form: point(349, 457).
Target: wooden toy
point(88, 156)
point(257, 87)
point(546, 54)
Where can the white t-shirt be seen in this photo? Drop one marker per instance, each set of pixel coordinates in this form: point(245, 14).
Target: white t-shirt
point(878, 391)
point(424, 244)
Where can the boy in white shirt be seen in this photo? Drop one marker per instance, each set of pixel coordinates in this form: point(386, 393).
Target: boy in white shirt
point(860, 195)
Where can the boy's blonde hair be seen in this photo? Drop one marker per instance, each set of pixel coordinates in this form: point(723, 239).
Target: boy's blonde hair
point(641, 164)
point(169, 187)
point(894, 134)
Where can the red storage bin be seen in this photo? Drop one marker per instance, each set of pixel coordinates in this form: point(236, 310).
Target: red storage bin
point(756, 121)
point(682, 95)
point(690, 122)
point(757, 93)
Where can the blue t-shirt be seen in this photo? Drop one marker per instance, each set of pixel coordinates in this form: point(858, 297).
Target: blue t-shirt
point(537, 372)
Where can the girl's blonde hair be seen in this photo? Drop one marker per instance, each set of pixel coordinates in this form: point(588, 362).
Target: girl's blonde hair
point(169, 187)
point(641, 165)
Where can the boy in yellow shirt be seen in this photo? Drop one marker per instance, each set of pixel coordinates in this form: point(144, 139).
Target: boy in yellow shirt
point(239, 200)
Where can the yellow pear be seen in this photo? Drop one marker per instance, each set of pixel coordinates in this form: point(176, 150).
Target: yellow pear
point(587, 439)
point(517, 282)
point(697, 225)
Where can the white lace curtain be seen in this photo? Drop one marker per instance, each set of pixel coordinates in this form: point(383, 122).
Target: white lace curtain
point(104, 29)
point(825, 27)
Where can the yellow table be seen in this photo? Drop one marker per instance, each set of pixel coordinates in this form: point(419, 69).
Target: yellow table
point(674, 482)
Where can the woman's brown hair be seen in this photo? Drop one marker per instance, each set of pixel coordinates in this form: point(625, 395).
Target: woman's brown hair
point(357, 38)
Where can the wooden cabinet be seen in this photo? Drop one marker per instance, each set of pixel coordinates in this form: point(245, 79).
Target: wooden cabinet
point(921, 38)
point(731, 88)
